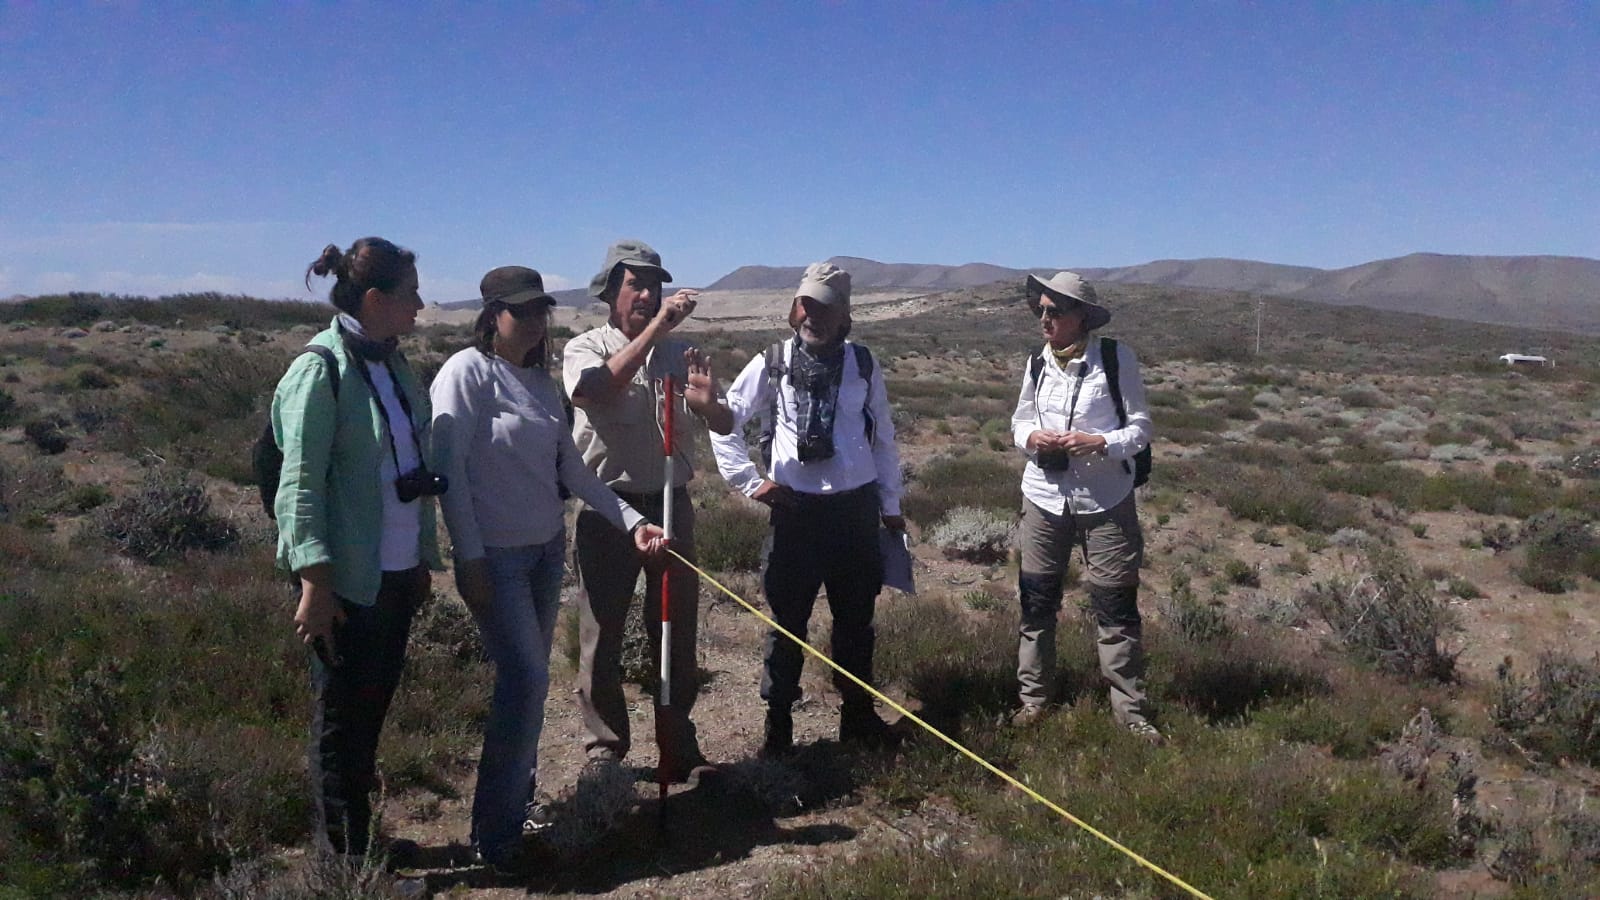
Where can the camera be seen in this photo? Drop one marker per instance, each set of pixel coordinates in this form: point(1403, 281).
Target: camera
point(1053, 460)
point(420, 483)
point(814, 449)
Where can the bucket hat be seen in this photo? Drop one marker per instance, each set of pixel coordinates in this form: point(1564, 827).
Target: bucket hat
point(513, 286)
point(1068, 286)
point(825, 283)
point(631, 253)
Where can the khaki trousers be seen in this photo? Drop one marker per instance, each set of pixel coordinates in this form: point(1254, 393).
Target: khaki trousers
point(1113, 549)
point(608, 568)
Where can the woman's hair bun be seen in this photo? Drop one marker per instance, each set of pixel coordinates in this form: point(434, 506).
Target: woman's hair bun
point(329, 262)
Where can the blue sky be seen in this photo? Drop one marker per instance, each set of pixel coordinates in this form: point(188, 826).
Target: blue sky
point(152, 148)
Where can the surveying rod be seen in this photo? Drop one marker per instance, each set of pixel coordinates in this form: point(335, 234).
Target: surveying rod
point(666, 530)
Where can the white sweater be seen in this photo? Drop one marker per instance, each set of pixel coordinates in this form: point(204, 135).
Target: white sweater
point(500, 435)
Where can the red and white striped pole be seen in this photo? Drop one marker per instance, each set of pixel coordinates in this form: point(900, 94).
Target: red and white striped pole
point(666, 529)
point(664, 691)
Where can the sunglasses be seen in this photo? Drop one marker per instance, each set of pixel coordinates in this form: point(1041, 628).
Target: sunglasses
point(1052, 312)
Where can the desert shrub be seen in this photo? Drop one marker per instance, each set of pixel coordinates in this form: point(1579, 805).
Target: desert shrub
point(977, 480)
point(1398, 484)
point(1557, 545)
point(192, 310)
point(1187, 616)
point(93, 379)
point(1583, 464)
point(729, 537)
point(9, 409)
point(1388, 614)
point(1361, 396)
point(166, 516)
point(47, 435)
point(1268, 400)
point(1234, 406)
point(974, 535)
point(1279, 430)
point(957, 665)
point(91, 801)
point(1557, 712)
point(85, 497)
point(1279, 497)
point(1239, 572)
point(224, 395)
point(1189, 419)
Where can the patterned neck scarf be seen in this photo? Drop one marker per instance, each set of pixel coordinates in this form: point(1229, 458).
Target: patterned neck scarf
point(815, 380)
point(357, 342)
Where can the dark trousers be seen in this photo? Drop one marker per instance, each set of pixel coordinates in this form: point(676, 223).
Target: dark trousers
point(824, 540)
point(350, 701)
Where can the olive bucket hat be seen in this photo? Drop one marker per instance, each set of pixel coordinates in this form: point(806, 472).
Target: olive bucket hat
point(1069, 287)
point(513, 286)
point(631, 254)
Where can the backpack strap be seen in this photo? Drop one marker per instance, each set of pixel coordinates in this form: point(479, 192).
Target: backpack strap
point(864, 364)
point(1113, 367)
point(333, 365)
point(1035, 365)
point(775, 371)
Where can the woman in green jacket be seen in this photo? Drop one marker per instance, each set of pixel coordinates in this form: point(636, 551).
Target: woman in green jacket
point(355, 516)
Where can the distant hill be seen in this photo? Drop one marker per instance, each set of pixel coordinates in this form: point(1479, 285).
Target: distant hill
point(1533, 291)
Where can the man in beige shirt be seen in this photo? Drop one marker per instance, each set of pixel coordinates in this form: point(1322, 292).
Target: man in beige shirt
point(613, 374)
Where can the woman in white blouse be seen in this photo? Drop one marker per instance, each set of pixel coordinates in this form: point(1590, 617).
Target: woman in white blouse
point(1083, 421)
point(501, 436)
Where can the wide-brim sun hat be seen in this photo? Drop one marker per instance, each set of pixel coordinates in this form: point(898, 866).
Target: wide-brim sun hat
point(513, 286)
point(1069, 286)
point(631, 254)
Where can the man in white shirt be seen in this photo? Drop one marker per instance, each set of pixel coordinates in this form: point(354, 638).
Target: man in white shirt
point(833, 472)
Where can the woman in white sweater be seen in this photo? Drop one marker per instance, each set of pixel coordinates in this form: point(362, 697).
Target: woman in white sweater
point(501, 436)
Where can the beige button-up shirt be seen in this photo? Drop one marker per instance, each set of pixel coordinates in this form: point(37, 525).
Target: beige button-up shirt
point(621, 438)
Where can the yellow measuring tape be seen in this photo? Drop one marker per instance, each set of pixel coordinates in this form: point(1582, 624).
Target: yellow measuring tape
point(947, 739)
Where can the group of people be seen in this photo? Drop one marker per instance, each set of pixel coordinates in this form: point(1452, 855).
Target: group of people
point(498, 443)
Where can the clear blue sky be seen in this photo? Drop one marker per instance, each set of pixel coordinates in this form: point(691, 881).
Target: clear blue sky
point(152, 147)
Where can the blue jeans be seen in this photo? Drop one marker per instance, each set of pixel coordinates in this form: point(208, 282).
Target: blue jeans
point(517, 627)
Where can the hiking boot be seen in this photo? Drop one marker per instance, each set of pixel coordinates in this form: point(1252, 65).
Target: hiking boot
point(535, 817)
point(1028, 716)
point(1146, 732)
point(861, 726)
point(780, 733)
point(694, 771)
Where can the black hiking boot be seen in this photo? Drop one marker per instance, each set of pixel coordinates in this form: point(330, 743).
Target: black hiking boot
point(779, 741)
point(859, 725)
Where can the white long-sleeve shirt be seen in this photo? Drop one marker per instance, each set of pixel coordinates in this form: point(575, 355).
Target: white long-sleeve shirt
point(855, 460)
point(1095, 482)
point(500, 435)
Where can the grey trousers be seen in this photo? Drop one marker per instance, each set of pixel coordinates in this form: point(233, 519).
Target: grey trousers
point(1113, 546)
point(608, 567)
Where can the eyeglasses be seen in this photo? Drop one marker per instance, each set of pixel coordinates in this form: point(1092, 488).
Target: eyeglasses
point(1052, 312)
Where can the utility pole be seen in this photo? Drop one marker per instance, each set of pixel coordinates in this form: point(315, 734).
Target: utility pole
point(1261, 306)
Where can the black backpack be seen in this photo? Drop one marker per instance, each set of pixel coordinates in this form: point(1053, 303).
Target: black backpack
point(1113, 367)
point(266, 457)
point(776, 370)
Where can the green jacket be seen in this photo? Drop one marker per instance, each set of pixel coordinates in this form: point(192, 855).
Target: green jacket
point(330, 501)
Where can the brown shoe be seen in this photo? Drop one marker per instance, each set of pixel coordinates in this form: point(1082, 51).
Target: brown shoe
point(1146, 732)
point(1028, 716)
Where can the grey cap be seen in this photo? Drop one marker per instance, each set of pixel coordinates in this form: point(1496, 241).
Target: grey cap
point(1066, 286)
point(825, 283)
point(632, 254)
point(513, 285)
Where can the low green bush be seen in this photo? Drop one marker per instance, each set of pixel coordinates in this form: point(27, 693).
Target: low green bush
point(166, 516)
point(1388, 614)
point(977, 480)
point(729, 536)
point(1557, 712)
